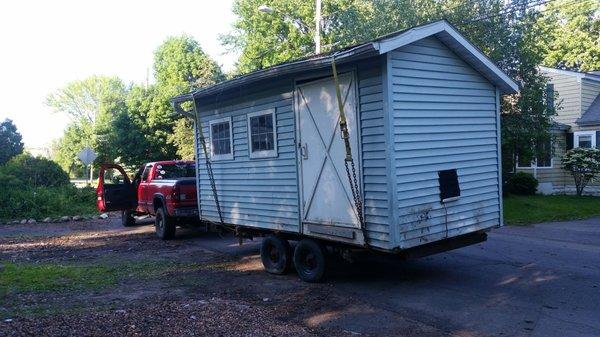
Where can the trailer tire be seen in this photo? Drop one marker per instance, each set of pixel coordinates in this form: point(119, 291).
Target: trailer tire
point(127, 219)
point(164, 225)
point(276, 255)
point(310, 260)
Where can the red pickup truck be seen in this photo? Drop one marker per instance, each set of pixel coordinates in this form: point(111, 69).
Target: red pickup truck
point(165, 189)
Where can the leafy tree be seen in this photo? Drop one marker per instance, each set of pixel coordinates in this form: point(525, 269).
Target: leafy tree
point(92, 103)
point(183, 138)
point(87, 99)
point(64, 151)
point(571, 34)
point(584, 165)
point(10, 141)
point(180, 65)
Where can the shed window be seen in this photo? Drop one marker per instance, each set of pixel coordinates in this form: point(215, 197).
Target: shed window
point(261, 134)
point(586, 139)
point(220, 139)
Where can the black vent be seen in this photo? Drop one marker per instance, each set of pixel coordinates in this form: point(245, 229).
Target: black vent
point(448, 184)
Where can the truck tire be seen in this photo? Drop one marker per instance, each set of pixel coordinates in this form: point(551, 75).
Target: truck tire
point(276, 255)
point(310, 260)
point(127, 218)
point(164, 225)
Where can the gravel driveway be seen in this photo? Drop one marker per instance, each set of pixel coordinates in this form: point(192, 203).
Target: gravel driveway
point(540, 280)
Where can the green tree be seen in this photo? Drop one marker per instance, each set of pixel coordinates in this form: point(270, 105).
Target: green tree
point(180, 65)
point(92, 103)
point(10, 141)
point(571, 34)
point(64, 150)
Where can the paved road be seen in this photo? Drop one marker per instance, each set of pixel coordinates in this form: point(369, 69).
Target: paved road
point(541, 280)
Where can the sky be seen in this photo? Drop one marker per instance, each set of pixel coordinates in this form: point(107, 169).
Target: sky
point(46, 44)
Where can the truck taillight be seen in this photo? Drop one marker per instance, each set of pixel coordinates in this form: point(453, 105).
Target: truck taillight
point(175, 195)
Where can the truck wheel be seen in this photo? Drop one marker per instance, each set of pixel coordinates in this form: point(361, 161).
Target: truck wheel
point(165, 227)
point(127, 218)
point(276, 255)
point(309, 259)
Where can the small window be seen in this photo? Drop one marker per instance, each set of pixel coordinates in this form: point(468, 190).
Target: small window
point(585, 139)
point(262, 137)
point(220, 139)
point(544, 156)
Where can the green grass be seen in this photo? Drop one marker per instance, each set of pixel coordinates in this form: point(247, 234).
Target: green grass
point(29, 277)
point(523, 210)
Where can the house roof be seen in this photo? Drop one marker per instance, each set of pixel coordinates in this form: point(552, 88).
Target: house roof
point(592, 114)
point(592, 75)
point(442, 29)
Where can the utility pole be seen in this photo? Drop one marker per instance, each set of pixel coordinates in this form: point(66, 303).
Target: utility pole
point(317, 26)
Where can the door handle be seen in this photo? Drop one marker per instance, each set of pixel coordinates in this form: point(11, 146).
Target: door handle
point(304, 151)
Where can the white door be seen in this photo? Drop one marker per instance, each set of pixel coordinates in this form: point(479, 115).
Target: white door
point(325, 190)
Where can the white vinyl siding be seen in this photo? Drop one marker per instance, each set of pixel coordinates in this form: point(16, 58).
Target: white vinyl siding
point(444, 117)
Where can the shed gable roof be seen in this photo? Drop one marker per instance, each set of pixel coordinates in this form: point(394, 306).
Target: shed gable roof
point(442, 29)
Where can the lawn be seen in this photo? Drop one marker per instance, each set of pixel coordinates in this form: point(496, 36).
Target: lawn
point(523, 210)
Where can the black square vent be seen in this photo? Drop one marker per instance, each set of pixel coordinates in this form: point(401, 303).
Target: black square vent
point(449, 188)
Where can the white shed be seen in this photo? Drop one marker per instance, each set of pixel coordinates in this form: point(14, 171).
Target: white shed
point(423, 117)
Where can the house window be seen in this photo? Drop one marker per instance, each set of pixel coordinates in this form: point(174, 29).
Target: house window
point(585, 139)
point(543, 158)
point(220, 139)
point(262, 137)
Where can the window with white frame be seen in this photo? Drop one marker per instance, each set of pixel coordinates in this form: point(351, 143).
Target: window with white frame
point(262, 135)
point(542, 159)
point(221, 144)
point(585, 139)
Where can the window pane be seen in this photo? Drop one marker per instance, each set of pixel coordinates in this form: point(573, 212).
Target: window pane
point(221, 138)
point(544, 157)
point(585, 141)
point(261, 133)
point(523, 162)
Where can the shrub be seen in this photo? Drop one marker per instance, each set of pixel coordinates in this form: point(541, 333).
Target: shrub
point(35, 171)
point(583, 164)
point(522, 183)
point(40, 202)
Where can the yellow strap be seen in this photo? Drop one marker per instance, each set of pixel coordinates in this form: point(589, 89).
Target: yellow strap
point(343, 122)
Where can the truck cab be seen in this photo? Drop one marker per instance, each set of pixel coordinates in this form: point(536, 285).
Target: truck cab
point(164, 189)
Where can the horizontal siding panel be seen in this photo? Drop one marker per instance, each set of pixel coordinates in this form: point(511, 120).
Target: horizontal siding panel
point(254, 192)
point(444, 117)
point(374, 160)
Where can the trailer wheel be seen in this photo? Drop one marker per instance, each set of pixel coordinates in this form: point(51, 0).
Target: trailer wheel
point(127, 218)
point(309, 259)
point(276, 255)
point(165, 227)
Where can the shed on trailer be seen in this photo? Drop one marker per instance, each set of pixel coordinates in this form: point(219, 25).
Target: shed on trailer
point(422, 108)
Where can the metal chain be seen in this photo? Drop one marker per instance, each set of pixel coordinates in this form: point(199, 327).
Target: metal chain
point(356, 194)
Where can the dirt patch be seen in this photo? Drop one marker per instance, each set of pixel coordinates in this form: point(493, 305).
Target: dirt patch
point(195, 285)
